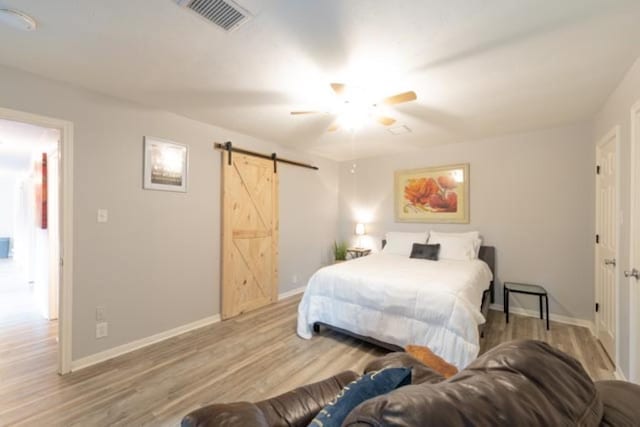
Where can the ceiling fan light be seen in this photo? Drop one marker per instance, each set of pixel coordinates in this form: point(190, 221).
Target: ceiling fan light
point(353, 119)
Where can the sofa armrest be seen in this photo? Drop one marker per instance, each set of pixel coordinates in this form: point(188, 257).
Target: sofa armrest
point(620, 401)
point(299, 406)
point(292, 409)
point(226, 415)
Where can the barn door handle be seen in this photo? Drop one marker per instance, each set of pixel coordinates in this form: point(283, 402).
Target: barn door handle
point(633, 273)
point(611, 261)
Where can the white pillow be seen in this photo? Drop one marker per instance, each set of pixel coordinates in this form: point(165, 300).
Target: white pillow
point(470, 235)
point(399, 243)
point(456, 248)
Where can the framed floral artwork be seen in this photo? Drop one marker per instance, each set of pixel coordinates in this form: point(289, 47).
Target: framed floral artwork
point(436, 194)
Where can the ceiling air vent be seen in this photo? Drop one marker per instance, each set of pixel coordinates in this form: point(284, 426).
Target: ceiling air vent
point(226, 14)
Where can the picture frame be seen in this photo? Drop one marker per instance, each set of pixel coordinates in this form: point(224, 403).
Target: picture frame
point(41, 188)
point(166, 165)
point(435, 194)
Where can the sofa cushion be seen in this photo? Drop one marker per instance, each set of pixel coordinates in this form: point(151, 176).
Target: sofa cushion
point(367, 386)
point(621, 403)
point(524, 382)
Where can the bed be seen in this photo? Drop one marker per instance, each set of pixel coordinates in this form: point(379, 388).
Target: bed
point(394, 301)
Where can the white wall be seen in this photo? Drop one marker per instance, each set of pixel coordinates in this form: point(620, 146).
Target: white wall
point(617, 112)
point(155, 264)
point(8, 194)
point(532, 197)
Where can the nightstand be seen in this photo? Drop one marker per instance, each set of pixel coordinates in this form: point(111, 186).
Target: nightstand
point(358, 252)
point(525, 288)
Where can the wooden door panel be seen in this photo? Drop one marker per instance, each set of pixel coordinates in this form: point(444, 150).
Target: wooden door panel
point(250, 234)
point(252, 194)
point(250, 279)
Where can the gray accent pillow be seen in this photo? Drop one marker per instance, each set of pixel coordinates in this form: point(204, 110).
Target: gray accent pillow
point(425, 251)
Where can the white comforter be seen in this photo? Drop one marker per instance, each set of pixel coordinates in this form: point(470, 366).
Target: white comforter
point(401, 301)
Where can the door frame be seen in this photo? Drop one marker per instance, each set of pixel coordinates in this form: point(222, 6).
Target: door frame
point(53, 302)
point(65, 316)
point(634, 291)
point(614, 133)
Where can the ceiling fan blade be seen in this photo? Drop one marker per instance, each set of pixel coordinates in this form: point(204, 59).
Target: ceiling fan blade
point(400, 98)
point(387, 121)
point(296, 113)
point(338, 88)
point(334, 127)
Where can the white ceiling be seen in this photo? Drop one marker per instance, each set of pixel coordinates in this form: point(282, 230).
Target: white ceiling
point(20, 142)
point(479, 67)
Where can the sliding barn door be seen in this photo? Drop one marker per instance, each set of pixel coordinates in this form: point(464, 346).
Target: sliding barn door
point(249, 234)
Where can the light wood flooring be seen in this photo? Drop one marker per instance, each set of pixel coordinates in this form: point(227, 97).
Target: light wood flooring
point(250, 357)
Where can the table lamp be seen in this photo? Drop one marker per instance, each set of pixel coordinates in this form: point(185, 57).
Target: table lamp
point(360, 232)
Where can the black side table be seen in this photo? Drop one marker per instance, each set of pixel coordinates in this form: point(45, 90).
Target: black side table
point(524, 288)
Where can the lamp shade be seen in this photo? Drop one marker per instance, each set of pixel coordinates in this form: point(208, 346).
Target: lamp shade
point(359, 229)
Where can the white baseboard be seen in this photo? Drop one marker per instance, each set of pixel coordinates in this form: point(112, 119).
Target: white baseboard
point(291, 293)
point(555, 317)
point(102, 356)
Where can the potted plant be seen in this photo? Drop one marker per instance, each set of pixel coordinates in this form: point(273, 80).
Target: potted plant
point(339, 251)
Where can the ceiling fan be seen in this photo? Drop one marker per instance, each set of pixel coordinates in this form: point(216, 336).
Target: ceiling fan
point(352, 110)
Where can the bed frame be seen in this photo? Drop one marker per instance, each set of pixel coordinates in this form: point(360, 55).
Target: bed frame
point(486, 254)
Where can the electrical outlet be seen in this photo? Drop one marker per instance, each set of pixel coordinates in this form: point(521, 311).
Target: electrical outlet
point(294, 279)
point(103, 215)
point(101, 313)
point(102, 330)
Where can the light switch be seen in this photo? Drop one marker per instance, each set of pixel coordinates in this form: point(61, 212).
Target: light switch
point(100, 313)
point(103, 215)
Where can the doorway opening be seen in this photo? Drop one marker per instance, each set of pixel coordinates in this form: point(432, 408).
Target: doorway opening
point(36, 236)
point(29, 239)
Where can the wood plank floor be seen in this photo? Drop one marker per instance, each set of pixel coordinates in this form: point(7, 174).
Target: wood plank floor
point(251, 357)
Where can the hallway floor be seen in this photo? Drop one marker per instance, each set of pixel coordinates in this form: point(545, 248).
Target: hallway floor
point(28, 342)
point(16, 295)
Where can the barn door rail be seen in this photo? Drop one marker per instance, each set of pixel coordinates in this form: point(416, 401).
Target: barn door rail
point(228, 147)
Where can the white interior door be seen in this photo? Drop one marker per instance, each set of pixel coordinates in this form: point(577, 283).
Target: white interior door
point(634, 266)
point(606, 241)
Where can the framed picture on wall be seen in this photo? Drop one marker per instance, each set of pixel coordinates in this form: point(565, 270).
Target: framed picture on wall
point(436, 194)
point(166, 165)
point(41, 188)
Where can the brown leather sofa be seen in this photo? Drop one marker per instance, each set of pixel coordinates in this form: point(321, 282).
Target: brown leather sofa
point(524, 383)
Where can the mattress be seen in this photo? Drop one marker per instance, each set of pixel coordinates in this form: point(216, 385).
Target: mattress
point(401, 301)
